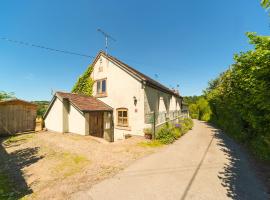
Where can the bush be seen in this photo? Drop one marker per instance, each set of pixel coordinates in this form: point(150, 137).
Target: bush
point(165, 134)
point(240, 100)
point(168, 132)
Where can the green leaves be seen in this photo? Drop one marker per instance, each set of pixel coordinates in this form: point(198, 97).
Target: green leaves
point(198, 108)
point(265, 3)
point(5, 95)
point(240, 99)
point(84, 84)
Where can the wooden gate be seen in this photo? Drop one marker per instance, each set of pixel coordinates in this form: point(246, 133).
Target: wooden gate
point(96, 124)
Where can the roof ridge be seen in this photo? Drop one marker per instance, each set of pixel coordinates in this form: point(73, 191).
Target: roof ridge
point(140, 74)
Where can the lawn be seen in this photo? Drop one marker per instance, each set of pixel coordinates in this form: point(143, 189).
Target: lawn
point(49, 165)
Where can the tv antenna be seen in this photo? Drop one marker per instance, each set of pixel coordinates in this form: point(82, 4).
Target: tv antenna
point(107, 37)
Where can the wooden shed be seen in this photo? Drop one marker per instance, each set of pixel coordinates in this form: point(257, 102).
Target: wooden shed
point(17, 116)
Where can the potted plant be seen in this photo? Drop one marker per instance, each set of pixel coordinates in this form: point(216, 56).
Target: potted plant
point(147, 133)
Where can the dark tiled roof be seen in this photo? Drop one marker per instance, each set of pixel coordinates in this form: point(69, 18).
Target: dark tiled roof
point(84, 103)
point(141, 76)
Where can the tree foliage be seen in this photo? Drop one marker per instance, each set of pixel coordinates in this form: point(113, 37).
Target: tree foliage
point(84, 84)
point(265, 3)
point(240, 97)
point(198, 107)
point(5, 95)
point(42, 106)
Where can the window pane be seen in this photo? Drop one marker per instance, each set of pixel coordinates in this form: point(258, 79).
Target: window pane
point(124, 113)
point(98, 86)
point(104, 86)
point(120, 113)
point(124, 121)
point(120, 121)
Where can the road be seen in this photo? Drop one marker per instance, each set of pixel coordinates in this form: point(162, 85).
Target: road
point(203, 164)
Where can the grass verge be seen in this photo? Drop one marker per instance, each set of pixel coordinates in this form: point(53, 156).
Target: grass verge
point(18, 138)
point(152, 143)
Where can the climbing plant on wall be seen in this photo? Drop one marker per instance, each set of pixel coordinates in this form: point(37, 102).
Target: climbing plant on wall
point(84, 84)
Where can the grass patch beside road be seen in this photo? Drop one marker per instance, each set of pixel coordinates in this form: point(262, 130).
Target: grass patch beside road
point(18, 138)
point(152, 143)
point(69, 164)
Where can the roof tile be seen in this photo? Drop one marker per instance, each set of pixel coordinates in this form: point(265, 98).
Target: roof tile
point(85, 103)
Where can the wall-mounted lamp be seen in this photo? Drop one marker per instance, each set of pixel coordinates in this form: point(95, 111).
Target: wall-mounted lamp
point(135, 100)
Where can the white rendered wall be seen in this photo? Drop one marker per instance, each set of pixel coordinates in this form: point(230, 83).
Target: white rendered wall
point(54, 119)
point(121, 90)
point(76, 121)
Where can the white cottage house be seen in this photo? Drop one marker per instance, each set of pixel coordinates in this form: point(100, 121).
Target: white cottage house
point(123, 103)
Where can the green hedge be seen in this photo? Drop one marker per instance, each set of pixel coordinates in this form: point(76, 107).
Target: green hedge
point(240, 99)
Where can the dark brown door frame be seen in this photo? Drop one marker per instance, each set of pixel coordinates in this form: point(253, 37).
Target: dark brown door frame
point(96, 124)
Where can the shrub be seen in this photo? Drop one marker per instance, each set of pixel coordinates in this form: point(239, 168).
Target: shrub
point(168, 132)
point(240, 100)
point(177, 132)
point(188, 123)
point(165, 134)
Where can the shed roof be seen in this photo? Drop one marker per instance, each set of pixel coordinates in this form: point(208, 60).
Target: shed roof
point(84, 103)
point(16, 101)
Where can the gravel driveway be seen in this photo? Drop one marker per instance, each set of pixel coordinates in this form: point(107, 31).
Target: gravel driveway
point(203, 164)
point(50, 165)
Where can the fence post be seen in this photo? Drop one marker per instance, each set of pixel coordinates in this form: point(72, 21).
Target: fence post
point(154, 123)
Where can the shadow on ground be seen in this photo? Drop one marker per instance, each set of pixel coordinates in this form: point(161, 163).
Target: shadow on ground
point(238, 177)
point(11, 166)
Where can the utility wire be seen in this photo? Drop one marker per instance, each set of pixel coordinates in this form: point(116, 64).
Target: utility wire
point(46, 48)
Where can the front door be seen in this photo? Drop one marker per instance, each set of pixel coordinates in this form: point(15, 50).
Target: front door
point(96, 124)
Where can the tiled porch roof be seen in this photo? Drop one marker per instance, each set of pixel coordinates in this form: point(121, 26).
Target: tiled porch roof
point(84, 103)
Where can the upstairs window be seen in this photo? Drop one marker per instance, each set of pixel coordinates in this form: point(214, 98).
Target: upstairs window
point(122, 116)
point(101, 87)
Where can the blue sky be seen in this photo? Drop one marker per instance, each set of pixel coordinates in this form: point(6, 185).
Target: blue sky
point(184, 42)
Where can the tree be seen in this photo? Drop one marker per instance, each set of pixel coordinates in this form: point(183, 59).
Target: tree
point(5, 95)
point(265, 3)
point(198, 107)
point(240, 100)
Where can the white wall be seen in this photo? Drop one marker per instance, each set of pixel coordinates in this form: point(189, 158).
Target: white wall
point(54, 119)
point(158, 101)
point(76, 121)
point(121, 88)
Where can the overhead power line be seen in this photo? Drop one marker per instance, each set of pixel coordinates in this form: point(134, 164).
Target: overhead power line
point(44, 47)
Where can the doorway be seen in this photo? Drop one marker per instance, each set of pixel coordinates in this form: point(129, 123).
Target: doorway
point(96, 124)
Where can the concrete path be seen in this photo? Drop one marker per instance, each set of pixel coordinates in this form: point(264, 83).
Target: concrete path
point(203, 164)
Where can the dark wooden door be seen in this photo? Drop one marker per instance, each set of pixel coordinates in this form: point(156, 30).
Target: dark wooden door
point(96, 124)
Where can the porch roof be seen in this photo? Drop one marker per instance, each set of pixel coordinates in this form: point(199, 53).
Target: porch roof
point(84, 103)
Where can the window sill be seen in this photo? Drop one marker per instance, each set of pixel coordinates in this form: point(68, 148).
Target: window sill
point(127, 128)
point(101, 95)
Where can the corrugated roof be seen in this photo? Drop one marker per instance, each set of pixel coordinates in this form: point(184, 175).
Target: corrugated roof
point(84, 103)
